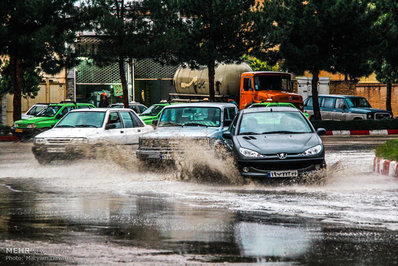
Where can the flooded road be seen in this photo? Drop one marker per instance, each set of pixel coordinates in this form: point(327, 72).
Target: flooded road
point(110, 211)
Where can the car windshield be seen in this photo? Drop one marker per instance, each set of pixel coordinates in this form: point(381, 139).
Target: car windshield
point(82, 119)
point(191, 116)
point(153, 110)
point(358, 102)
point(279, 83)
point(273, 123)
point(50, 111)
point(36, 109)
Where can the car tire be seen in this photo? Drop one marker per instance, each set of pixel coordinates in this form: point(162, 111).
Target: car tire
point(358, 118)
point(43, 161)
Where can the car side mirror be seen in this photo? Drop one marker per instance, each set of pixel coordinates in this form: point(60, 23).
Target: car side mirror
point(227, 135)
point(321, 131)
point(110, 126)
point(155, 123)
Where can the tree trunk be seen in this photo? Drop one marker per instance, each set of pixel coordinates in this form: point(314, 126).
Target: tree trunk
point(315, 101)
point(388, 99)
point(124, 82)
point(211, 72)
point(16, 77)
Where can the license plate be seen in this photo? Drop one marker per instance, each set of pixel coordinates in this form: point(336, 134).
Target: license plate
point(165, 156)
point(282, 174)
point(58, 149)
point(18, 130)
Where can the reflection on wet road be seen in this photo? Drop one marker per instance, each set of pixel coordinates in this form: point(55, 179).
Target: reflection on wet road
point(99, 212)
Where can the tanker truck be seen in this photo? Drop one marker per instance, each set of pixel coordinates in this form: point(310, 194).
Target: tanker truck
point(236, 82)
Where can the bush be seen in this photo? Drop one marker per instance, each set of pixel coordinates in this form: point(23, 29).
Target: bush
point(356, 124)
point(388, 150)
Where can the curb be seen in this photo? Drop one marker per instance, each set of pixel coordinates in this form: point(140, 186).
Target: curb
point(385, 167)
point(362, 132)
point(8, 138)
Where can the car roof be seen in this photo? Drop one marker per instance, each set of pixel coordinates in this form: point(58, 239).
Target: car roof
point(337, 95)
point(101, 109)
point(68, 104)
point(270, 109)
point(203, 104)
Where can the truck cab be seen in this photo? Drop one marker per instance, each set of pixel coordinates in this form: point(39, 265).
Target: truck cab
point(267, 86)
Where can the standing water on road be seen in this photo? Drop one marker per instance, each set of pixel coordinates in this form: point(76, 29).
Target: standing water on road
point(110, 210)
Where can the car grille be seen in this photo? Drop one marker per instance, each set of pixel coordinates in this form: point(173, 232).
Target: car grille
point(382, 116)
point(171, 143)
point(280, 165)
point(58, 141)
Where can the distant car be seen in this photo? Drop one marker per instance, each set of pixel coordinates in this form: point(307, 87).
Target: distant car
point(151, 115)
point(82, 129)
point(345, 107)
point(274, 143)
point(137, 107)
point(45, 119)
point(202, 123)
point(34, 110)
point(275, 104)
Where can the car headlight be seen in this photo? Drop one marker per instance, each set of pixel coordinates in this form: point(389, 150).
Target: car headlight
point(369, 116)
point(79, 141)
point(31, 126)
point(314, 150)
point(39, 141)
point(249, 153)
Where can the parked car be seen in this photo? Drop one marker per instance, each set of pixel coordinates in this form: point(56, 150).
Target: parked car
point(153, 112)
point(45, 119)
point(274, 104)
point(83, 129)
point(34, 110)
point(202, 123)
point(137, 107)
point(345, 107)
point(274, 143)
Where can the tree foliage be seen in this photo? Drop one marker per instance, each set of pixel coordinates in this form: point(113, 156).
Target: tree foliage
point(317, 35)
point(124, 31)
point(31, 80)
point(206, 32)
point(385, 56)
point(33, 34)
point(259, 65)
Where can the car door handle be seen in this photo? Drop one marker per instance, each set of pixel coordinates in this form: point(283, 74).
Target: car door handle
point(121, 131)
point(139, 130)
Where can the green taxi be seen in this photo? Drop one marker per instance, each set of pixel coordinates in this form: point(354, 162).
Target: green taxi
point(276, 104)
point(45, 119)
point(153, 112)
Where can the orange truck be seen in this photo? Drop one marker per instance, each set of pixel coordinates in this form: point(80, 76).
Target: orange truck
point(237, 82)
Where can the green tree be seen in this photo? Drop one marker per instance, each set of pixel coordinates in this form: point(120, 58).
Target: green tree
point(332, 35)
point(30, 81)
point(259, 65)
point(124, 30)
point(206, 32)
point(385, 56)
point(33, 34)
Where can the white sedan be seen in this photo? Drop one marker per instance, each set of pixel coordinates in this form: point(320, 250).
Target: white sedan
point(83, 129)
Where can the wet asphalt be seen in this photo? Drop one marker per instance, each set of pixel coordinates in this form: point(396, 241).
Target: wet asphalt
point(107, 212)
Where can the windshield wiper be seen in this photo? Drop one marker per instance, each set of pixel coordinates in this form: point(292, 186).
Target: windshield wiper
point(65, 126)
point(85, 126)
point(195, 124)
point(171, 124)
point(250, 133)
point(282, 132)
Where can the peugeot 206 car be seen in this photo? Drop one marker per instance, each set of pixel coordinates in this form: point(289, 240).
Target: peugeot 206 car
point(197, 123)
point(81, 130)
point(272, 142)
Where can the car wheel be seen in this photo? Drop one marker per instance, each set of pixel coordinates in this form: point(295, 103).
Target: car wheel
point(43, 161)
point(358, 118)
